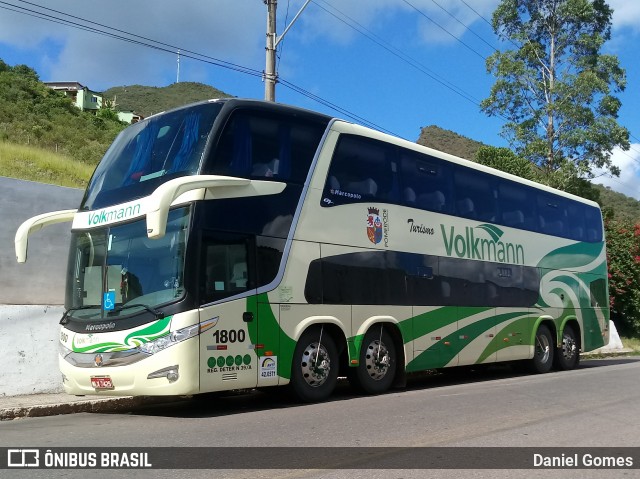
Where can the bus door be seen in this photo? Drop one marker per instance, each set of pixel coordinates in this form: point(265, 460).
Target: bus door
point(230, 312)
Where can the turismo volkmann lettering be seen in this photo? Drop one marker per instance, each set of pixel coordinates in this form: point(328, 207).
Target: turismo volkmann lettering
point(584, 460)
point(468, 245)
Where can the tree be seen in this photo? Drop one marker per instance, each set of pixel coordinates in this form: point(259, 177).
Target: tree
point(555, 89)
point(623, 258)
point(564, 178)
point(504, 159)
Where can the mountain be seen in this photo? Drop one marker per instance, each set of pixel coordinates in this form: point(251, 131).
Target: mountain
point(148, 100)
point(449, 142)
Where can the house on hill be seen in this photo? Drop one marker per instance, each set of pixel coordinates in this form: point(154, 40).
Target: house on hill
point(129, 116)
point(89, 100)
point(83, 98)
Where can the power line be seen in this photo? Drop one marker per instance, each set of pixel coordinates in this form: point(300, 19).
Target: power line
point(444, 29)
point(466, 27)
point(217, 61)
point(358, 27)
point(172, 49)
point(477, 13)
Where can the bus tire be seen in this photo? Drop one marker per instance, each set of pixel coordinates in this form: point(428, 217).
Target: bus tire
point(377, 364)
point(568, 354)
point(314, 372)
point(543, 349)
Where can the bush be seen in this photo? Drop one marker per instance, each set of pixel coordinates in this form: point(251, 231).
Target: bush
point(623, 258)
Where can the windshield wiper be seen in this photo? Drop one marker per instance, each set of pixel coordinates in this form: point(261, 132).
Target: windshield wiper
point(156, 312)
point(65, 316)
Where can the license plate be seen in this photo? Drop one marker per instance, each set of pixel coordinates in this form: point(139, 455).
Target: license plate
point(101, 382)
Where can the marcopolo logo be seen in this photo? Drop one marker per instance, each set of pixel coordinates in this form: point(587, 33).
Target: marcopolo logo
point(465, 244)
point(115, 214)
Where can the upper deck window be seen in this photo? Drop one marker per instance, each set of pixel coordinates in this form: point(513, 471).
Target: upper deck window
point(149, 153)
point(266, 145)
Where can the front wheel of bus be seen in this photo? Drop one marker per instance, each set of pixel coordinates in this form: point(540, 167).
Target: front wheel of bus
point(314, 372)
point(568, 354)
point(377, 365)
point(542, 351)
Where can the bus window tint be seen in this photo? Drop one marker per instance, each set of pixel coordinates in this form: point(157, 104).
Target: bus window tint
point(517, 204)
point(149, 152)
point(593, 224)
point(227, 267)
point(475, 195)
point(264, 146)
point(362, 170)
point(552, 213)
point(425, 182)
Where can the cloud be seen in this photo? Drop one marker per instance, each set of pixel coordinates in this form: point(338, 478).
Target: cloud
point(626, 14)
point(629, 163)
point(433, 21)
point(232, 30)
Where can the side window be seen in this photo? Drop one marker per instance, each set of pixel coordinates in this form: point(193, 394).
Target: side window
point(593, 224)
point(476, 195)
point(517, 205)
point(361, 169)
point(576, 226)
point(552, 213)
point(227, 268)
point(265, 146)
point(426, 182)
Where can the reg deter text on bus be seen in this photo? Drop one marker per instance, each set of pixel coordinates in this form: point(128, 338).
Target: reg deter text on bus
point(235, 244)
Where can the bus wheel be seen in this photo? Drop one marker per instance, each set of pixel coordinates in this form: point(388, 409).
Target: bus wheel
point(377, 365)
point(314, 372)
point(542, 351)
point(568, 355)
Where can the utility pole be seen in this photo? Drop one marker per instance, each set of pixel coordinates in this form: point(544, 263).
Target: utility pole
point(178, 74)
point(270, 76)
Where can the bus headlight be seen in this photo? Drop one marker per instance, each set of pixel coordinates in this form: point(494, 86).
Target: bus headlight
point(63, 351)
point(174, 337)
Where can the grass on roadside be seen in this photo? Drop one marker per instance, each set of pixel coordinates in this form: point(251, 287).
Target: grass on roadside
point(35, 164)
point(631, 343)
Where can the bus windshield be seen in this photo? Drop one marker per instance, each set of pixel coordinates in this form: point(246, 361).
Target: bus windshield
point(149, 153)
point(118, 271)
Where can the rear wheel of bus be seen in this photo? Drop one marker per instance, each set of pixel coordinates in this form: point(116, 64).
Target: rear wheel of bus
point(377, 363)
point(314, 371)
point(568, 354)
point(543, 349)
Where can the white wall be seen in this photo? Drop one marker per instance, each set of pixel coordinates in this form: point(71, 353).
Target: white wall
point(29, 349)
point(41, 279)
point(29, 333)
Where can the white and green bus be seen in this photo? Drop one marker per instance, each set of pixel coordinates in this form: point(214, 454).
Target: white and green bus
point(235, 244)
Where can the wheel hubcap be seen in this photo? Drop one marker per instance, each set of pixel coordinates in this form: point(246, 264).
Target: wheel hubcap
point(544, 348)
point(377, 360)
point(569, 347)
point(315, 364)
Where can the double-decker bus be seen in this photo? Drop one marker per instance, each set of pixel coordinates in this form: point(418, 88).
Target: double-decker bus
point(235, 244)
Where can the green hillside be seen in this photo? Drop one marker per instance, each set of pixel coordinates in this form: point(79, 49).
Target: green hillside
point(621, 206)
point(148, 100)
point(34, 115)
point(449, 142)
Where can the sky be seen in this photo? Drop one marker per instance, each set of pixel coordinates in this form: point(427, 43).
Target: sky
point(397, 65)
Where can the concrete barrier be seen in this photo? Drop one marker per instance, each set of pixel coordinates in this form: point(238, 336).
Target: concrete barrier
point(29, 349)
point(28, 331)
point(41, 279)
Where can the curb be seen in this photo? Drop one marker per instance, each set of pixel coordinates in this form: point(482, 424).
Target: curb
point(614, 353)
point(102, 405)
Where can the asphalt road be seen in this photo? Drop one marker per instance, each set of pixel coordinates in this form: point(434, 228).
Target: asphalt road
point(594, 406)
